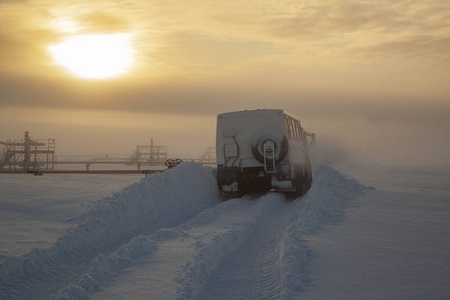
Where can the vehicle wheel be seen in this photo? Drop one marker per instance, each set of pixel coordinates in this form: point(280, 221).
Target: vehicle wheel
point(281, 147)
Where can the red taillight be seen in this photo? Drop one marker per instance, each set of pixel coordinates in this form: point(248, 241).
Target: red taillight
point(225, 180)
point(284, 177)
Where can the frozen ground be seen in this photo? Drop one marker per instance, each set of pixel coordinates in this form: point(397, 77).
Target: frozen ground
point(36, 210)
point(394, 243)
point(168, 237)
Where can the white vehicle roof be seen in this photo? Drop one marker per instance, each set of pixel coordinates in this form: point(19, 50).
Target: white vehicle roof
point(255, 112)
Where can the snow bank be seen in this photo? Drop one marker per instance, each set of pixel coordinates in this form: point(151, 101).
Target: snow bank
point(179, 206)
point(161, 200)
point(326, 200)
point(105, 268)
point(323, 204)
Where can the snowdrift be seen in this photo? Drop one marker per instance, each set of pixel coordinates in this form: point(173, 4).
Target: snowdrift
point(323, 204)
point(181, 208)
point(161, 200)
point(283, 266)
point(285, 260)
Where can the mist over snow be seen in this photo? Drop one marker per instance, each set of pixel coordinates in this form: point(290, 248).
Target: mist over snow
point(168, 236)
point(369, 78)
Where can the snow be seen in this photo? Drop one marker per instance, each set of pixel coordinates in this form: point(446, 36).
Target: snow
point(36, 210)
point(394, 242)
point(169, 237)
point(395, 246)
point(158, 201)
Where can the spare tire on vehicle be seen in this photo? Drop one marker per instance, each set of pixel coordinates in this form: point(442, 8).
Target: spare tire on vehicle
point(278, 139)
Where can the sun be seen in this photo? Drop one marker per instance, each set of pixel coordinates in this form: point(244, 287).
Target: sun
point(95, 56)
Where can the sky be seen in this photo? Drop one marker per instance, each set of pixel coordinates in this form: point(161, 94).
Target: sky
point(370, 78)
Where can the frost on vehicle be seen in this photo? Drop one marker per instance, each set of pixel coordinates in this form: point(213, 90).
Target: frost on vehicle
point(262, 150)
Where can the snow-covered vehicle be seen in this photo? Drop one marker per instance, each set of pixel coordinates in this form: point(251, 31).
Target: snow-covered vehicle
point(262, 150)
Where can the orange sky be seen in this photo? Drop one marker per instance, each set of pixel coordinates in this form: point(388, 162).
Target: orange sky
point(369, 77)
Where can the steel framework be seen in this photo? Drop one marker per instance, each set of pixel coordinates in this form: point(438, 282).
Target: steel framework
point(149, 154)
point(27, 154)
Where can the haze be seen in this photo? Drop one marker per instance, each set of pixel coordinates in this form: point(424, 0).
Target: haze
point(370, 78)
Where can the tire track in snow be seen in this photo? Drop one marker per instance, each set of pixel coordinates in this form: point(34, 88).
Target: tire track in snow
point(185, 257)
point(263, 239)
point(268, 256)
point(237, 255)
point(254, 271)
point(161, 200)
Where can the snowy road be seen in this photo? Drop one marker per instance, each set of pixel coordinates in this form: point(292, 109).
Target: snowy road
point(253, 271)
point(169, 237)
point(240, 249)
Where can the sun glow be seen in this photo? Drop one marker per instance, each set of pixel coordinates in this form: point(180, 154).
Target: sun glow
point(95, 56)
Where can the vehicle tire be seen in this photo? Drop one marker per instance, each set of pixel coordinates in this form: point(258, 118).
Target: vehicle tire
point(281, 147)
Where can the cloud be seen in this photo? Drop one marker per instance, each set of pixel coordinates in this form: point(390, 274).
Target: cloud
point(177, 35)
point(374, 30)
point(199, 54)
point(22, 39)
point(427, 49)
point(334, 63)
point(334, 18)
point(104, 23)
point(195, 97)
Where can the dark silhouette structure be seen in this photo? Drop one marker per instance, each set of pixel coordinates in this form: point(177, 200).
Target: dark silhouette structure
point(27, 154)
